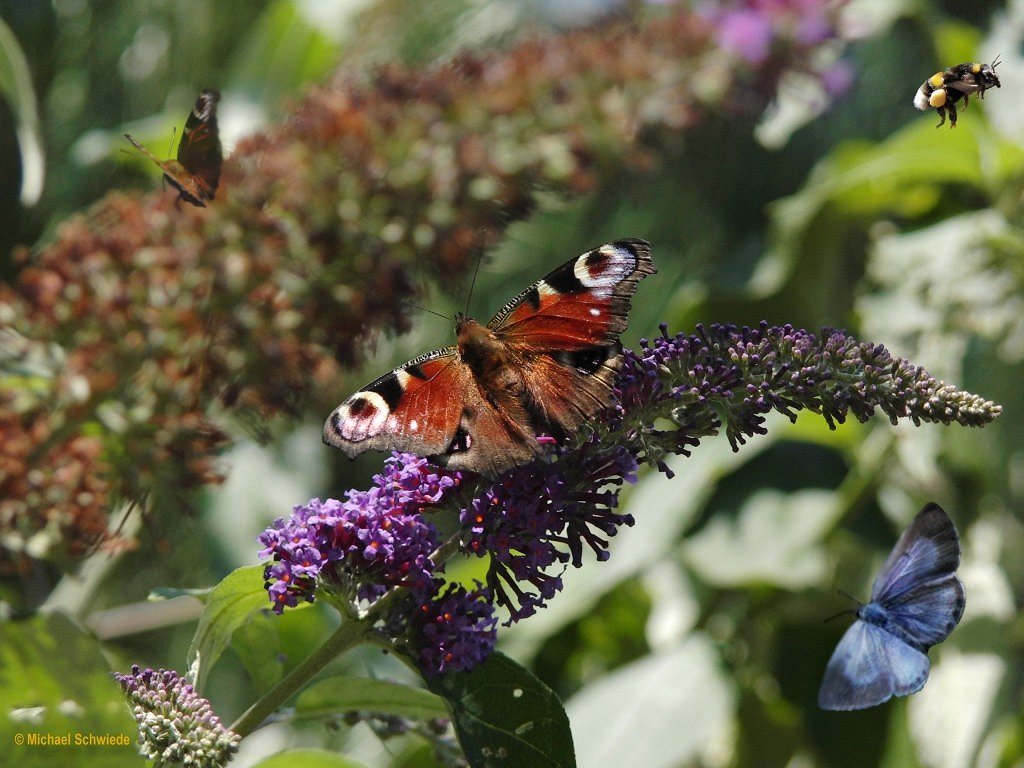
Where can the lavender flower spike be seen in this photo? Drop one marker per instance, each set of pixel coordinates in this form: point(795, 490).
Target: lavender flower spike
point(722, 375)
point(176, 725)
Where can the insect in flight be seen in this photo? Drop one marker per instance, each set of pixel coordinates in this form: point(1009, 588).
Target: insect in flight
point(546, 362)
point(916, 601)
point(942, 90)
point(196, 171)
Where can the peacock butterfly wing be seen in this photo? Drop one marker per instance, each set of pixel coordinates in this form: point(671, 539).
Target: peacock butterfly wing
point(565, 389)
point(431, 406)
point(583, 303)
point(545, 363)
point(564, 332)
point(199, 151)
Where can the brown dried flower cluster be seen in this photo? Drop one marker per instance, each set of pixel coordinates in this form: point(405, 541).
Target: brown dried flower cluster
point(166, 316)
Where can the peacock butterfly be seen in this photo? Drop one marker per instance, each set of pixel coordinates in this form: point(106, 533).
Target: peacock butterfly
point(196, 171)
point(545, 363)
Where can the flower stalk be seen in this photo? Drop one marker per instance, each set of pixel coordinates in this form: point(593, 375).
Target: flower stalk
point(350, 634)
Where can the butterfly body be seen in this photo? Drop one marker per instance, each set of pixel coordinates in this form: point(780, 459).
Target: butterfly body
point(916, 602)
point(546, 362)
point(195, 173)
point(876, 615)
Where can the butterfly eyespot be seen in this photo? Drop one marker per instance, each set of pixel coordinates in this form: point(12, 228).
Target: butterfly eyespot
point(594, 271)
point(363, 415)
point(361, 406)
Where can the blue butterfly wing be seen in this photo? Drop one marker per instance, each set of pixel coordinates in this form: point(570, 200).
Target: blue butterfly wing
point(928, 613)
point(917, 588)
point(869, 667)
point(929, 549)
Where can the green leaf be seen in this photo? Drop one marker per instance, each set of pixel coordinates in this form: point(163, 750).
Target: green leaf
point(504, 716)
point(16, 88)
point(55, 682)
point(231, 604)
point(775, 539)
point(902, 176)
point(360, 694)
point(281, 52)
point(307, 758)
point(269, 646)
point(257, 644)
point(657, 712)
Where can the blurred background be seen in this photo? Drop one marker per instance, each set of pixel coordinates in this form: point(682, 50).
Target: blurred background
point(701, 642)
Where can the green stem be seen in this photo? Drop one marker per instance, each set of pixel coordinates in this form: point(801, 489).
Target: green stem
point(446, 550)
point(350, 634)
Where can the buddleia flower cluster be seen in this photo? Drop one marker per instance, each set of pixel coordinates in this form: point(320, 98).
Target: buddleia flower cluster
point(534, 521)
point(358, 549)
point(726, 378)
point(177, 726)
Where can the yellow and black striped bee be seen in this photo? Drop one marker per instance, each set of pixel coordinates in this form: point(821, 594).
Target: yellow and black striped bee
point(942, 90)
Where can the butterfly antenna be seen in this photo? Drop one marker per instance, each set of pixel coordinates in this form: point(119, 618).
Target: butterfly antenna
point(95, 545)
point(472, 283)
point(841, 613)
point(174, 132)
point(848, 610)
point(424, 309)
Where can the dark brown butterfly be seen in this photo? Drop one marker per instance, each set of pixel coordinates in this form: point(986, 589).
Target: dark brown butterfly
point(546, 362)
point(196, 171)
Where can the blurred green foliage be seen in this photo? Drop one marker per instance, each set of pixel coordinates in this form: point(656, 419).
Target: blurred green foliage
point(701, 641)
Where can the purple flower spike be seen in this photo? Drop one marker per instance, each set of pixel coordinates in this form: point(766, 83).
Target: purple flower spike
point(455, 630)
point(361, 547)
point(724, 376)
point(540, 515)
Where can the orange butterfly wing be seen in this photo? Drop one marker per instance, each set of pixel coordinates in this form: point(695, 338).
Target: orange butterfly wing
point(431, 406)
point(564, 332)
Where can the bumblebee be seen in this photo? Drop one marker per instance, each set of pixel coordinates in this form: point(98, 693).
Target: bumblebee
point(942, 90)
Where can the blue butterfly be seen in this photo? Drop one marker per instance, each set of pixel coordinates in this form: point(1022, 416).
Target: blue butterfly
point(916, 601)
